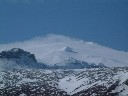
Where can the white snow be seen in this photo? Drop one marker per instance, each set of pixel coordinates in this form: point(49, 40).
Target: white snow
point(69, 84)
point(72, 85)
point(124, 92)
point(2, 86)
point(48, 71)
point(56, 48)
point(22, 94)
point(121, 89)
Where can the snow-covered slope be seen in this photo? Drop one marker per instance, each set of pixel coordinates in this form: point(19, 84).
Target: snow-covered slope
point(72, 63)
point(18, 58)
point(53, 49)
point(76, 82)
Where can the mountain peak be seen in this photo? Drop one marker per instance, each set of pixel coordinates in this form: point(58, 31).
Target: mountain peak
point(16, 49)
point(68, 49)
point(18, 58)
point(56, 48)
point(72, 63)
point(17, 53)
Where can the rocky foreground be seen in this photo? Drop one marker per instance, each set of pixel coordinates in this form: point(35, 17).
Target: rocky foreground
point(75, 82)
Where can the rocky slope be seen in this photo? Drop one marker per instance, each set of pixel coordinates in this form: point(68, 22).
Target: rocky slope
point(75, 82)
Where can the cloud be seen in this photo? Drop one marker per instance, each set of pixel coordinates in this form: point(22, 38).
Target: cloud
point(39, 41)
point(52, 48)
point(42, 46)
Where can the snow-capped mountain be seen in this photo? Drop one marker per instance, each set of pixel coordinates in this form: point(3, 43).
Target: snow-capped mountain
point(62, 66)
point(53, 49)
point(18, 58)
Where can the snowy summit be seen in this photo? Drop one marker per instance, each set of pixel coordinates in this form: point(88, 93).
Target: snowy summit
point(53, 49)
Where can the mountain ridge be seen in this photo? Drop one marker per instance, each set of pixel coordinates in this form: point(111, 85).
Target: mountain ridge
point(52, 49)
point(17, 57)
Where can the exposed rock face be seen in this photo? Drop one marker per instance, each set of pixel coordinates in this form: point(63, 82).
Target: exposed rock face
point(17, 53)
point(18, 58)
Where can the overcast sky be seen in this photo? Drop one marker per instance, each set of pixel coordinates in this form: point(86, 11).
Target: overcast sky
point(101, 21)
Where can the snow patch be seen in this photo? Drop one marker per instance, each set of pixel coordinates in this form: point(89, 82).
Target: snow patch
point(22, 94)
